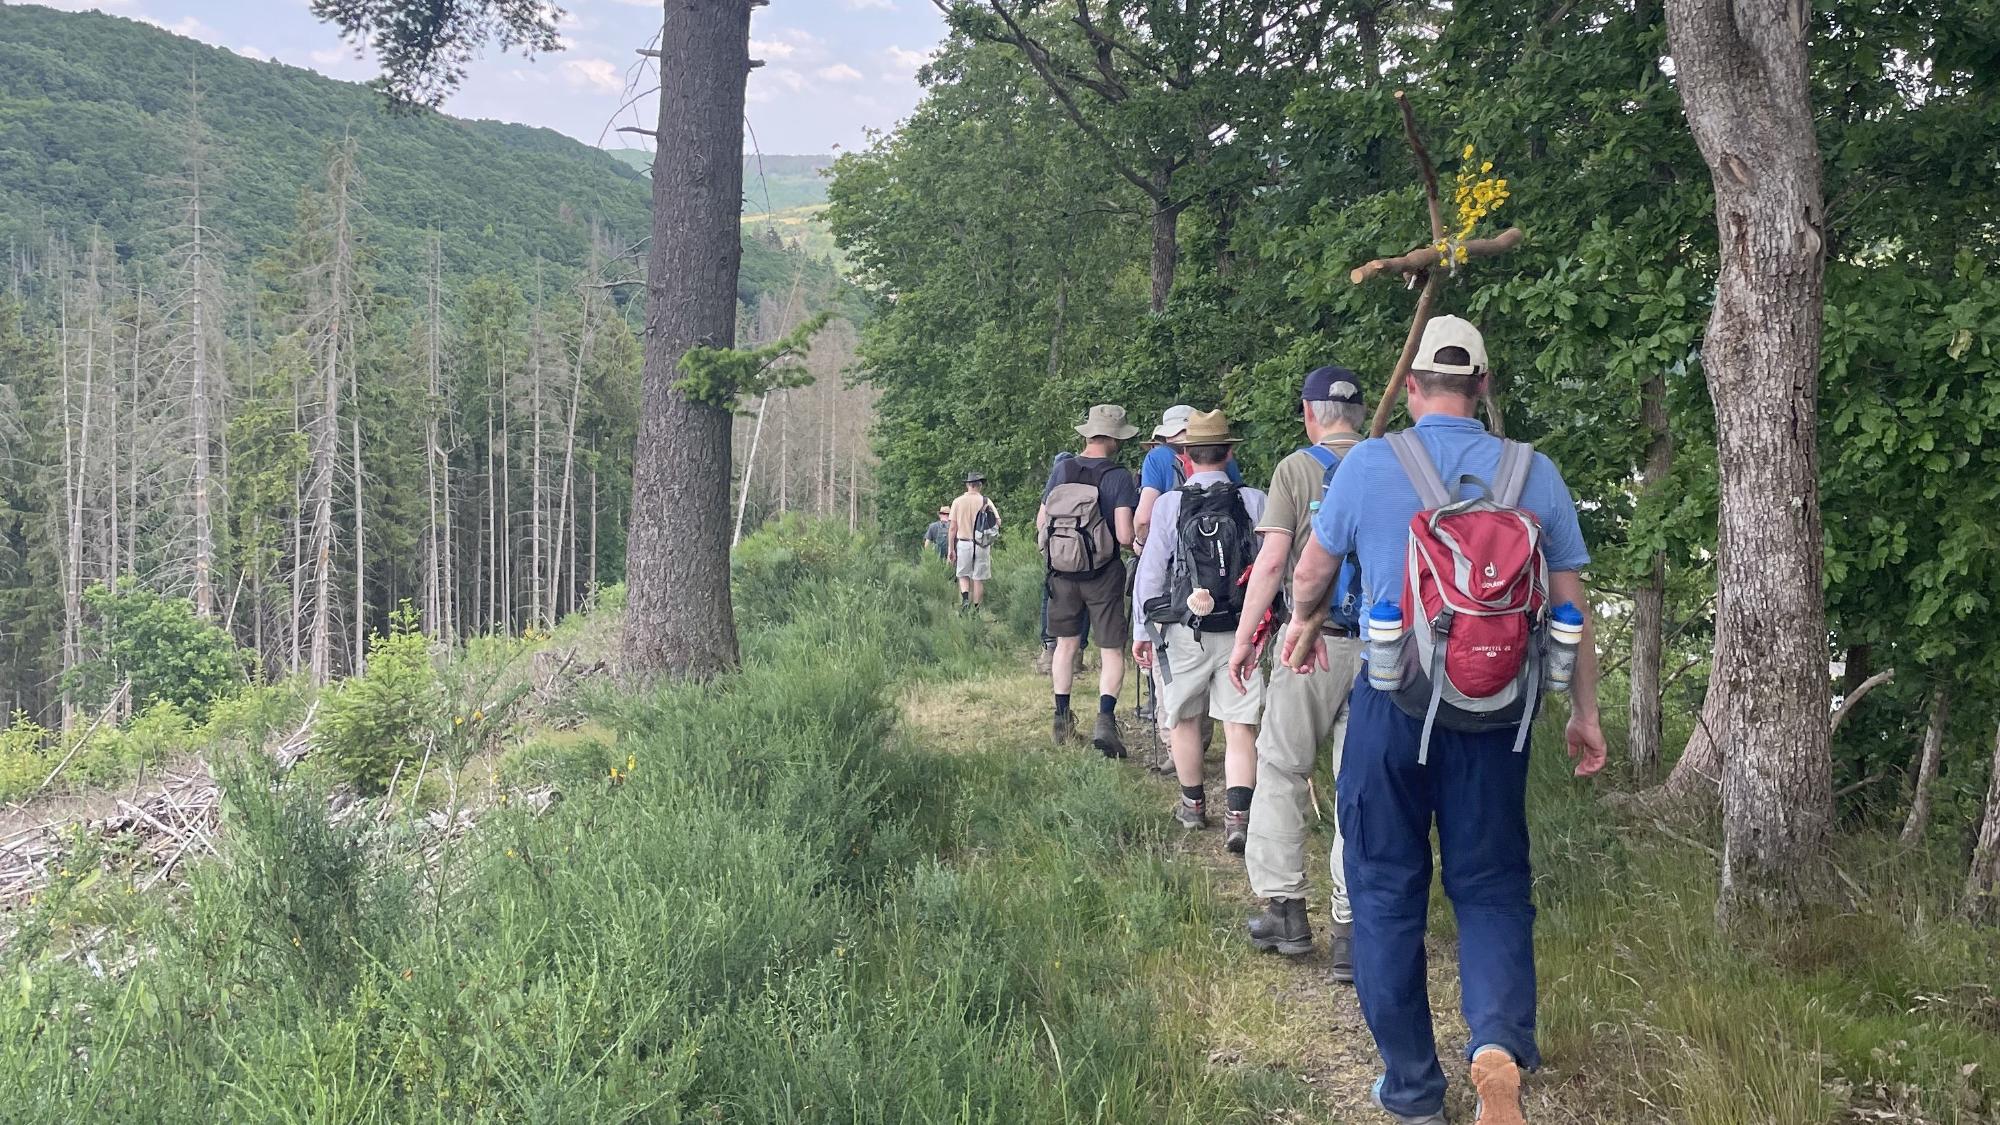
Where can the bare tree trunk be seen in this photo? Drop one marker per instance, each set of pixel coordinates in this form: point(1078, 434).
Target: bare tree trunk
point(433, 451)
point(1742, 75)
point(1927, 765)
point(1649, 601)
point(537, 592)
point(1982, 882)
point(678, 617)
point(784, 451)
point(197, 297)
point(593, 532)
point(749, 468)
point(332, 326)
point(359, 661)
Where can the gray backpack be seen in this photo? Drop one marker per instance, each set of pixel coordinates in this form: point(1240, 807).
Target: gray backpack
point(1074, 538)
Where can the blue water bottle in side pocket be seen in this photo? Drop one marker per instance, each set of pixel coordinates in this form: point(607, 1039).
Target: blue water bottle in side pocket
point(1385, 646)
point(1565, 635)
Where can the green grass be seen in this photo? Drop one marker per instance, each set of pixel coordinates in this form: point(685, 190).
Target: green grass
point(841, 887)
point(786, 910)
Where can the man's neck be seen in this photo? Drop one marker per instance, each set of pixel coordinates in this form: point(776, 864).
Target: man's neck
point(1200, 469)
point(1095, 449)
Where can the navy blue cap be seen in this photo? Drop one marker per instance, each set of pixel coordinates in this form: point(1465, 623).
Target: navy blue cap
point(1332, 384)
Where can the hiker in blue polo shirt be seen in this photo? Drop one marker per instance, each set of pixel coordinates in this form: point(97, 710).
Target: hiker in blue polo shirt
point(1394, 782)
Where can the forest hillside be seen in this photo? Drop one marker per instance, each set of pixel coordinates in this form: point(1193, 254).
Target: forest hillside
point(90, 133)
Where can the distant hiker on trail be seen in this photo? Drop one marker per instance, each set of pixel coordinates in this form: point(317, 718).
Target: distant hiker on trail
point(938, 535)
point(1301, 713)
point(975, 522)
point(1085, 519)
point(1438, 725)
point(1190, 593)
point(1047, 658)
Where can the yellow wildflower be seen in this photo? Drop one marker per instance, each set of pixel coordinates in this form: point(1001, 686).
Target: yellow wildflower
point(478, 715)
point(631, 762)
point(1467, 154)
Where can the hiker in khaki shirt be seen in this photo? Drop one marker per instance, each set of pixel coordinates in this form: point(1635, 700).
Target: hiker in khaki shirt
point(1300, 712)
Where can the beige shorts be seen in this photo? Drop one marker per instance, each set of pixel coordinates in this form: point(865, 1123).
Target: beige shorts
point(974, 561)
point(1200, 664)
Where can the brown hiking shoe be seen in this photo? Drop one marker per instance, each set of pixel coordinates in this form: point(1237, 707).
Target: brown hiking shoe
point(1062, 729)
point(1105, 737)
point(1191, 814)
point(1235, 830)
point(1497, 1079)
point(1045, 660)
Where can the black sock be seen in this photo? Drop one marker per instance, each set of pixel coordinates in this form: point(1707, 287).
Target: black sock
point(1237, 797)
point(1062, 704)
point(965, 597)
point(1194, 794)
point(1107, 704)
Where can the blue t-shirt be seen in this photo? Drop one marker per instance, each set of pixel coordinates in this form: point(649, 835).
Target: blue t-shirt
point(1158, 470)
point(1368, 506)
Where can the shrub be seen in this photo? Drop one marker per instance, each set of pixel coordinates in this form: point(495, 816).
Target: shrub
point(167, 652)
point(388, 713)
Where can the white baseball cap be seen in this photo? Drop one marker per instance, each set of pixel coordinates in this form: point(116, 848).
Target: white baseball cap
point(1443, 332)
point(1173, 421)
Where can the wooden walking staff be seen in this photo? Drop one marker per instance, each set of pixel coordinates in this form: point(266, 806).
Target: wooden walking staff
point(1418, 266)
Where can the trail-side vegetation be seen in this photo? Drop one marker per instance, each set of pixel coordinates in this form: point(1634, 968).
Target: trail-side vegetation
point(806, 894)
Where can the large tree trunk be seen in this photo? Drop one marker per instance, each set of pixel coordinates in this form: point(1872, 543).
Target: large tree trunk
point(1649, 601)
point(678, 619)
point(1741, 68)
point(1166, 237)
point(1982, 883)
point(1927, 765)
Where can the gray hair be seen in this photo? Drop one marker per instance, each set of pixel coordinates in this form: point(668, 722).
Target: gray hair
point(1328, 414)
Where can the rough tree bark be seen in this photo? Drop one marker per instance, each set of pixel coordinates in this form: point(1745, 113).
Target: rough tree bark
point(1741, 68)
point(678, 619)
point(1982, 883)
point(1927, 765)
point(1650, 599)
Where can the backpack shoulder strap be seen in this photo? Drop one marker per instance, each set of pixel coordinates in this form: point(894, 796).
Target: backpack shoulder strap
point(1511, 478)
point(1327, 458)
point(1416, 462)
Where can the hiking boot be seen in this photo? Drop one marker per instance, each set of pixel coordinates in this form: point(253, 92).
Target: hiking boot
point(1497, 1080)
point(1191, 814)
point(1045, 660)
point(1341, 947)
point(1161, 760)
point(1063, 729)
point(1236, 830)
point(1282, 928)
point(1375, 1095)
point(1104, 736)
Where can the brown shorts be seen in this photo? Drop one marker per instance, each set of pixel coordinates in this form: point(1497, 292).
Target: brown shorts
point(1102, 596)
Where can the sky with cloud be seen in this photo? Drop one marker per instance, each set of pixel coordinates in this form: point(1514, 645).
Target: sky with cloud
point(833, 69)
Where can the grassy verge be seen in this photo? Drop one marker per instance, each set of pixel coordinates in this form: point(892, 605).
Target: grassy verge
point(847, 885)
point(781, 909)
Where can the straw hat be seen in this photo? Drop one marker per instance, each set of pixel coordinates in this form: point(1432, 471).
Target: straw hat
point(1209, 427)
point(1109, 421)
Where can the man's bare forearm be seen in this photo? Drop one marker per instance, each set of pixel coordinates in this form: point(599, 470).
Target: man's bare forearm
point(1567, 586)
point(1312, 579)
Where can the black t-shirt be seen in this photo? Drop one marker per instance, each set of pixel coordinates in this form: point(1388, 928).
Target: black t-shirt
point(1115, 490)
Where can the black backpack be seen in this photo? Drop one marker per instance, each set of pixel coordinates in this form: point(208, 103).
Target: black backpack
point(1216, 545)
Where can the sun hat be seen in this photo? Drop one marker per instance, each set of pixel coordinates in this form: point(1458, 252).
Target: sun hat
point(975, 477)
point(1172, 421)
point(1109, 421)
point(1209, 427)
point(1332, 384)
point(1443, 332)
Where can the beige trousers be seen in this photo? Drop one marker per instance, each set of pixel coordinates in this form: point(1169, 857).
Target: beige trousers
point(1300, 714)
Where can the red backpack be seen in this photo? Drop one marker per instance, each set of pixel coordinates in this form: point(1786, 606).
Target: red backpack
point(1475, 599)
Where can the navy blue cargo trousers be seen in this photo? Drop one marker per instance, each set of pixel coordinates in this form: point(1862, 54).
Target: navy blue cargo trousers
point(1475, 791)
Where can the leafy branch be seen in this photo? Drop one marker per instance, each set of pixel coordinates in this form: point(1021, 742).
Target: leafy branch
point(720, 377)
